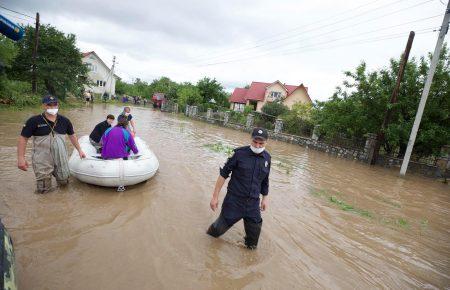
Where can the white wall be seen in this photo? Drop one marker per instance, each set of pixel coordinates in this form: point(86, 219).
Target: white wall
point(99, 72)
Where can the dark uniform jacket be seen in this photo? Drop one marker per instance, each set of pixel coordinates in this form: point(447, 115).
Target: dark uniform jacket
point(249, 173)
point(98, 131)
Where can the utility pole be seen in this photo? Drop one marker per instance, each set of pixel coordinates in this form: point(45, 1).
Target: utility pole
point(426, 89)
point(112, 76)
point(388, 115)
point(35, 48)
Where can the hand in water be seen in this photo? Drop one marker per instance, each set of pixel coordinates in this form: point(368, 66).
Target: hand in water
point(214, 204)
point(22, 164)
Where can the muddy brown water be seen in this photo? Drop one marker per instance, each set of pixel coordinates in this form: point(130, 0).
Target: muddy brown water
point(332, 223)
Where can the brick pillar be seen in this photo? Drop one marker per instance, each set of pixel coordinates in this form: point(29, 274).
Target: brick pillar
point(278, 125)
point(175, 108)
point(226, 117)
point(187, 110)
point(209, 114)
point(249, 123)
point(315, 133)
point(369, 148)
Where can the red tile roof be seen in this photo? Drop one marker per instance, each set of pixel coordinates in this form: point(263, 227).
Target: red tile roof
point(257, 91)
point(238, 96)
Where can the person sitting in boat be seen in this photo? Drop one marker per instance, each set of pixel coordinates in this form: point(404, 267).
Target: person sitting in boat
point(118, 141)
point(127, 113)
point(96, 135)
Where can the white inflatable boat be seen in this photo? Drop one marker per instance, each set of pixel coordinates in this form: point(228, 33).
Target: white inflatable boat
point(115, 172)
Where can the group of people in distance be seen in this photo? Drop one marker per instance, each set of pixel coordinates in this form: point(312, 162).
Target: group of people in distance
point(115, 142)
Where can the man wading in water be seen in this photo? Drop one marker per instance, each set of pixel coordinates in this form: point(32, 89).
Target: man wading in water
point(250, 167)
point(49, 150)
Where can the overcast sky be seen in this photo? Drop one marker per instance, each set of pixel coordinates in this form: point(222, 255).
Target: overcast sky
point(237, 42)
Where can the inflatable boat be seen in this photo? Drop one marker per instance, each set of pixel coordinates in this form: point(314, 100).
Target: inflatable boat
point(116, 172)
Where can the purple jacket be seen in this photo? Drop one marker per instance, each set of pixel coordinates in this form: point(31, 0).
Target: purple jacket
point(117, 143)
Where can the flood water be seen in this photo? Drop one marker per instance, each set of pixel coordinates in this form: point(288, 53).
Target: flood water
point(331, 223)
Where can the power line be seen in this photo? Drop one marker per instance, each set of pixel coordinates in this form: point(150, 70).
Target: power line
point(17, 12)
point(314, 47)
point(300, 27)
point(17, 17)
point(333, 23)
point(371, 31)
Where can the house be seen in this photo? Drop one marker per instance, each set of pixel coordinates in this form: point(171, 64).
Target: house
point(259, 93)
point(102, 78)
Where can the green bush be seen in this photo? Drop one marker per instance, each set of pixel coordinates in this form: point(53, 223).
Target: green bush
point(274, 109)
point(17, 93)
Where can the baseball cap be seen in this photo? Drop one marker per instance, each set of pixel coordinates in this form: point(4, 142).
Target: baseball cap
point(260, 133)
point(49, 99)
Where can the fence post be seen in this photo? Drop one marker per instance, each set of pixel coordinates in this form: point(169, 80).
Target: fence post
point(163, 106)
point(315, 133)
point(209, 114)
point(175, 108)
point(369, 148)
point(249, 123)
point(187, 110)
point(226, 117)
point(194, 111)
point(443, 162)
point(278, 125)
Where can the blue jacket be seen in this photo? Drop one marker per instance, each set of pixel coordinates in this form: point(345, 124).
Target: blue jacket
point(249, 173)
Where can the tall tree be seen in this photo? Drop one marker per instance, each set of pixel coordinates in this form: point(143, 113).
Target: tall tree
point(358, 106)
point(59, 67)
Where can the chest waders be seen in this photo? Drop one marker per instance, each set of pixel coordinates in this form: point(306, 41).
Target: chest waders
point(50, 158)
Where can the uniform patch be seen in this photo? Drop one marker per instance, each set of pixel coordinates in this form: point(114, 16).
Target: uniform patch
point(260, 131)
point(266, 163)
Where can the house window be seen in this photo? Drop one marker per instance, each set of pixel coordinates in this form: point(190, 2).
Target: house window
point(276, 96)
point(101, 83)
point(239, 107)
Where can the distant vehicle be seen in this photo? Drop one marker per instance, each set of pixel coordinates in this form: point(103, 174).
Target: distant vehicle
point(158, 99)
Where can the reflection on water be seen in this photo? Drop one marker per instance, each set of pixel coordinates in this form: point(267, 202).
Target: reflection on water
point(332, 223)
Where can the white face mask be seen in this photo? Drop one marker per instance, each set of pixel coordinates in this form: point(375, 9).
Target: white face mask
point(127, 114)
point(52, 111)
point(110, 122)
point(257, 150)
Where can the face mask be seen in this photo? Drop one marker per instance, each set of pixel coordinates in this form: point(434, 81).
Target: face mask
point(127, 114)
point(110, 122)
point(52, 111)
point(257, 150)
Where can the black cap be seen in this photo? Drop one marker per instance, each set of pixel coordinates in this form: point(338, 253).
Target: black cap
point(260, 133)
point(49, 99)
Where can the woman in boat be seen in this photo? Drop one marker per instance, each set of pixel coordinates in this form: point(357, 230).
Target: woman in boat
point(118, 141)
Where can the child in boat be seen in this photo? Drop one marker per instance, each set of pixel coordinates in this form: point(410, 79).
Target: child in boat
point(118, 141)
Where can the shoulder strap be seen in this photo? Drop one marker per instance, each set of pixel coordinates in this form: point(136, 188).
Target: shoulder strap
point(52, 129)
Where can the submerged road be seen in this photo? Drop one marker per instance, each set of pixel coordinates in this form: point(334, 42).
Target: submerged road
point(332, 223)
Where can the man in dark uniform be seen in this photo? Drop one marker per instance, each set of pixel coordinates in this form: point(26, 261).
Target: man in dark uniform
point(250, 168)
point(96, 135)
point(49, 151)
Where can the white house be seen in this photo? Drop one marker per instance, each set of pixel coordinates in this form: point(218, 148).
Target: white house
point(102, 78)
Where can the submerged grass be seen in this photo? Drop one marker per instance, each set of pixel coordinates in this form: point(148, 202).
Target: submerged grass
point(220, 148)
point(337, 200)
